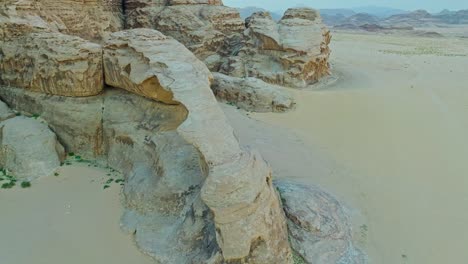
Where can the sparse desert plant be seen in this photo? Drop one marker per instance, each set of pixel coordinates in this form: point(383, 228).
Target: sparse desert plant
point(25, 184)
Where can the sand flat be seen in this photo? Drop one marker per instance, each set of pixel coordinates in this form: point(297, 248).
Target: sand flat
point(390, 139)
point(65, 219)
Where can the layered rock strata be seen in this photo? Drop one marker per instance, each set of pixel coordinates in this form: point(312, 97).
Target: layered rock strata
point(52, 63)
point(91, 20)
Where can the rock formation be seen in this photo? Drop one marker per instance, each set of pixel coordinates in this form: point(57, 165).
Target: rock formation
point(52, 63)
point(238, 188)
point(292, 52)
point(251, 94)
point(319, 228)
point(91, 20)
point(28, 149)
point(201, 25)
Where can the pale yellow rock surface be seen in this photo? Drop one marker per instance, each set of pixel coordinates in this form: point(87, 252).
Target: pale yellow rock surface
point(52, 63)
point(250, 222)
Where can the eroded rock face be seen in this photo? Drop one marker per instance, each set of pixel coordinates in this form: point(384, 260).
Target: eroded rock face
point(203, 26)
point(91, 20)
point(319, 228)
point(28, 149)
point(291, 52)
point(251, 94)
point(52, 63)
point(238, 190)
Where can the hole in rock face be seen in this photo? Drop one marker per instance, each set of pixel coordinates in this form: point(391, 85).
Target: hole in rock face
point(128, 69)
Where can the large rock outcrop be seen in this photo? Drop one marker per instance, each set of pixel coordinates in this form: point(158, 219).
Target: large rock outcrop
point(52, 63)
point(251, 94)
point(138, 137)
point(291, 52)
point(28, 148)
point(91, 20)
point(238, 189)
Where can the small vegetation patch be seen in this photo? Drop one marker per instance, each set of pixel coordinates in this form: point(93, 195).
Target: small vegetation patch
point(8, 181)
point(25, 184)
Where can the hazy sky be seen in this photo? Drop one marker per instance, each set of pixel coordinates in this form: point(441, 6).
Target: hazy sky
point(430, 5)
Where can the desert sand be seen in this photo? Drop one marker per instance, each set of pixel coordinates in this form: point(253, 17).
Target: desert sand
point(67, 218)
point(387, 136)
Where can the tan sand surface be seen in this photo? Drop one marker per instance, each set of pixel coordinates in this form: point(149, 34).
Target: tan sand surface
point(389, 138)
point(68, 219)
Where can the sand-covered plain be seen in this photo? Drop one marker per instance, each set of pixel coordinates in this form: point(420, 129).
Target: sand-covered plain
point(388, 136)
point(67, 218)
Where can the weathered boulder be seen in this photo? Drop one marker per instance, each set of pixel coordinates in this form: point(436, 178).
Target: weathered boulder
point(77, 121)
point(251, 94)
point(91, 20)
point(319, 229)
point(291, 52)
point(238, 189)
point(52, 63)
point(28, 149)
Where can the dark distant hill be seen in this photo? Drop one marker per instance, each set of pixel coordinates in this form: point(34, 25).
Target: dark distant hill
point(361, 19)
point(338, 11)
point(379, 11)
point(420, 18)
point(453, 17)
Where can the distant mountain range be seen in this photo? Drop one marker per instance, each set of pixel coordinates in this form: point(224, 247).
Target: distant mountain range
point(378, 16)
